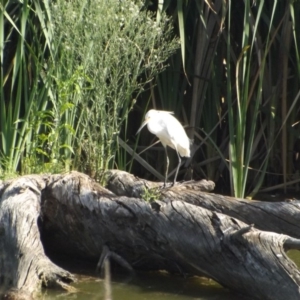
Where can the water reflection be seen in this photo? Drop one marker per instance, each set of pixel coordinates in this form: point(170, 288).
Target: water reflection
point(147, 286)
point(295, 256)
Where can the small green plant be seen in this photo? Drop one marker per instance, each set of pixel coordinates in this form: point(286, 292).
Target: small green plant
point(4, 173)
point(151, 194)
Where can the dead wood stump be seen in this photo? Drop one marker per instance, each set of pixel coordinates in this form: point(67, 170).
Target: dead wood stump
point(24, 267)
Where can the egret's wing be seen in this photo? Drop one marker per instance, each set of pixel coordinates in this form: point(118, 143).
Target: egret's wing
point(177, 136)
point(173, 127)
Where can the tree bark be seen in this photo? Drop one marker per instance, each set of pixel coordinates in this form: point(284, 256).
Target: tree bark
point(280, 217)
point(24, 267)
point(183, 229)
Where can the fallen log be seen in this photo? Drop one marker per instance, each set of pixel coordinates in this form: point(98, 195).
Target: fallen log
point(281, 217)
point(78, 217)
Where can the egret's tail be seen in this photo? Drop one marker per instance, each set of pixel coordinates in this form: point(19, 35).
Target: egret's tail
point(184, 151)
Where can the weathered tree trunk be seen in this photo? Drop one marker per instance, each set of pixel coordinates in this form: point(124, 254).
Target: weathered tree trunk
point(24, 267)
point(280, 217)
point(187, 231)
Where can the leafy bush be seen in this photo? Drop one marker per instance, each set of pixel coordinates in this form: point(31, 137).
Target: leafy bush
point(70, 73)
point(115, 48)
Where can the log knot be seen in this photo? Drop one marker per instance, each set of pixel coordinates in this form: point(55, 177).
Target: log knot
point(238, 234)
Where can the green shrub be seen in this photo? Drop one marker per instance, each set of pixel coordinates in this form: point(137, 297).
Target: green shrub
point(118, 48)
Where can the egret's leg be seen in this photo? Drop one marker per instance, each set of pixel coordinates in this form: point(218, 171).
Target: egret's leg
point(179, 162)
point(166, 166)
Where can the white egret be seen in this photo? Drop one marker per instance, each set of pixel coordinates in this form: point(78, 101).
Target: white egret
point(170, 133)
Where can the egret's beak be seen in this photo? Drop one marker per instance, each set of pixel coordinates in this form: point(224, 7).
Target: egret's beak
point(143, 124)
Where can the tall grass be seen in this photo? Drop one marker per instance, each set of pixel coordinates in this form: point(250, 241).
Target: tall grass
point(22, 90)
point(248, 94)
point(70, 73)
point(237, 89)
point(118, 48)
point(252, 128)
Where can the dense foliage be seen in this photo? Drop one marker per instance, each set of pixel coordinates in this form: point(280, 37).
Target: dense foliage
point(73, 73)
point(74, 76)
point(237, 91)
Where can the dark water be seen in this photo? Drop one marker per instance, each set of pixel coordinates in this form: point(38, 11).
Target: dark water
point(147, 286)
